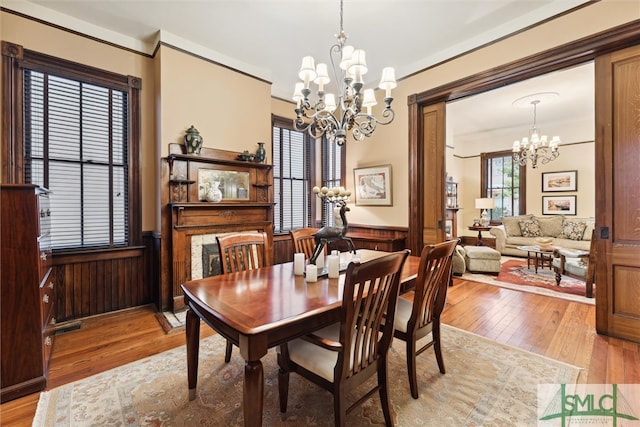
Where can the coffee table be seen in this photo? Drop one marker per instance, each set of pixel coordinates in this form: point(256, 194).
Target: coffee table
point(540, 258)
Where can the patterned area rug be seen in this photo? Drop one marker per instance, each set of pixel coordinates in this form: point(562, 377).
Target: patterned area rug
point(514, 274)
point(486, 383)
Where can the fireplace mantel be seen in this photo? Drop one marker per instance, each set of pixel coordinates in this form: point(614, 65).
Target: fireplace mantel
point(185, 215)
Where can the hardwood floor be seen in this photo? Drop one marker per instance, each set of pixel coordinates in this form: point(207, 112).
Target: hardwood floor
point(556, 328)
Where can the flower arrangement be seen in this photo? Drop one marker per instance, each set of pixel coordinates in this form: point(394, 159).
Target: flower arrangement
point(337, 195)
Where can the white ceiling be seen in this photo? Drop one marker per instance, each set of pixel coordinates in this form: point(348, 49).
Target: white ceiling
point(268, 38)
point(489, 121)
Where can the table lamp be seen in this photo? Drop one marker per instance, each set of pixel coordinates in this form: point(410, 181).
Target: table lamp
point(483, 204)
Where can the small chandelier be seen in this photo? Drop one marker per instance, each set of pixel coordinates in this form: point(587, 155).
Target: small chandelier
point(325, 116)
point(535, 147)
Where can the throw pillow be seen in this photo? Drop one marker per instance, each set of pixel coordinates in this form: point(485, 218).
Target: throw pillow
point(511, 224)
point(550, 226)
point(530, 228)
point(572, 230)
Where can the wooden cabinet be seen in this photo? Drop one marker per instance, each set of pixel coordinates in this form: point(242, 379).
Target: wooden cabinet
point(28, 292)
point(388, 239)
point(451, 223)
point(451, 210)
point(452, 195)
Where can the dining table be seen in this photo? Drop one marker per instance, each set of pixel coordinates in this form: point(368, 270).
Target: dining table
point(263, 308)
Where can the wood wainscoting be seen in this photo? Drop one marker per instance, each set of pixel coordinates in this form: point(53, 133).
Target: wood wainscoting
point(91, 283)
point(380, 238)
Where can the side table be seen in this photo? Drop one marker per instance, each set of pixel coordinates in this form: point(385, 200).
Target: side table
point(479, 229)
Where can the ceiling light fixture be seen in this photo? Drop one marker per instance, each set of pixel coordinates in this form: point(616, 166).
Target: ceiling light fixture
point(325, 116)
point(535, 148)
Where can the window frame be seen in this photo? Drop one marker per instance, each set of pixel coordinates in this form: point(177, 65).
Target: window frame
point(14, 60)
point(287, 124)
point(485, 158)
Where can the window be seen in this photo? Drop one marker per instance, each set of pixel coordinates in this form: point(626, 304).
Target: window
point(78, 141)
point(332, 175)
point(292, 172)
point(294, 176)
point(504, 181)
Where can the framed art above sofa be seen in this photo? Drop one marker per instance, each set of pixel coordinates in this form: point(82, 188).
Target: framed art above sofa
point(558, 205)
point(560, 181)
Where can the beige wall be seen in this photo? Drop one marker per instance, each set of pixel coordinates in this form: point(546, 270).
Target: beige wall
point(390, 143)
point(180, 90)
point(45, 39)
point(214, 99)
point(578, 157)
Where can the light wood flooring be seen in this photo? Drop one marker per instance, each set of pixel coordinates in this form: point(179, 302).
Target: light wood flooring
point(556, 328)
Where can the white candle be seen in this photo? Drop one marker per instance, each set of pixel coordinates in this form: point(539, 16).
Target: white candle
point(312, 273)
point(298, 264)
point(333, 263)
point(320, 260)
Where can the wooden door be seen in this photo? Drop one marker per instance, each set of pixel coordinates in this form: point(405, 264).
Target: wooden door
point(433, 119)
point(618, 194)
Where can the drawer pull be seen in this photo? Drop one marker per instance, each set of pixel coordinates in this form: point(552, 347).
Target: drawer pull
point(47, 341)
point(50, 285)
point(45, 298)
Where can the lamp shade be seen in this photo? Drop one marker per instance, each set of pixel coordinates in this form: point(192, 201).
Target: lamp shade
point(485, 203)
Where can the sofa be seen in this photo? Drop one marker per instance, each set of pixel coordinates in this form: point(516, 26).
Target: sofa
point(523, 230)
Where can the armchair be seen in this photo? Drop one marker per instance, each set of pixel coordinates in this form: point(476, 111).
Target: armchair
point(577, 264)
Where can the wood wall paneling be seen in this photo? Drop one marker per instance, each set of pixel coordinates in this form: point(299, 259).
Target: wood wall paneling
point(96, 283)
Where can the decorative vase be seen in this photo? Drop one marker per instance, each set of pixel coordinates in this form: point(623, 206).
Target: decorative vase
point(213, 193)
point(261, 154)
point(193, 141)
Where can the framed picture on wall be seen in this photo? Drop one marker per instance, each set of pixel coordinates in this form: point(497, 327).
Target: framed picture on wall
point(560, 181)
point(558, 205)
point(373, 185)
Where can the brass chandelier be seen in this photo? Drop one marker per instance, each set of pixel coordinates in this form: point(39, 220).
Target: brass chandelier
point(334, 119)
point(535, 148)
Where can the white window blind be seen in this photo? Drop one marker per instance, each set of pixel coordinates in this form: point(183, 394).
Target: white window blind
point(291, 177)
point(332, 167)
point(75, 137)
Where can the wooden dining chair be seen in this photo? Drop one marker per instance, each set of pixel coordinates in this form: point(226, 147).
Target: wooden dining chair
point(240, 252)
point(420, 317)
point(342, 356)
point(303, 241)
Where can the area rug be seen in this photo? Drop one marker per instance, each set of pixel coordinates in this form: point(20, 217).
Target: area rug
point(514, 274)
point(487, 383)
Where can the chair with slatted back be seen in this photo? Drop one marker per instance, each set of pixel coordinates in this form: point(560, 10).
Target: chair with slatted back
point(303, 241)
point(240, 252)
point(342, 356)
point(418, 318)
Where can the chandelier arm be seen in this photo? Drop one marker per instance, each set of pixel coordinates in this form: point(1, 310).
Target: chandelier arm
point(335, 121)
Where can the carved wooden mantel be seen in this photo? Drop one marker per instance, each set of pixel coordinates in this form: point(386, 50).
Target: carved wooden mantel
point(186, 214)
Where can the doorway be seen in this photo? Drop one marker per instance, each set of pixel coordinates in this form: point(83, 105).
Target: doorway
point(490, 122)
